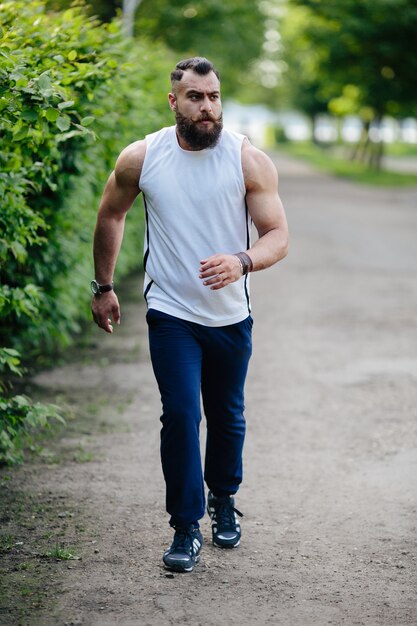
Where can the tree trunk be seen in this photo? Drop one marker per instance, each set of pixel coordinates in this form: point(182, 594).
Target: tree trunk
point(377, 148)
point(360, 150)
point(313, 130)
point(129, 10)
point(376, 154)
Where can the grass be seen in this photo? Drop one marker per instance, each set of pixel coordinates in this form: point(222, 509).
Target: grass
point(82, 456)
point(331, 161)
point(6, 542)
point(401, 149)
point(40, 534)
point(62, 554)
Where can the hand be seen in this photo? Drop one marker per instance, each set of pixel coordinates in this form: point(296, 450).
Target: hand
point(105, 308)
point(220, 270)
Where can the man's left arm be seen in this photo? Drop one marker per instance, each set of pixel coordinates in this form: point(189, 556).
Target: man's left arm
point(268, 215)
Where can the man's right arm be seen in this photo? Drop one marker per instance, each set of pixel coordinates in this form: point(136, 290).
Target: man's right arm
point(119, 193)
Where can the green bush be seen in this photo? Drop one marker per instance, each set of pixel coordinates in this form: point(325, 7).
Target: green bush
point(73, 93)
point(20, 418)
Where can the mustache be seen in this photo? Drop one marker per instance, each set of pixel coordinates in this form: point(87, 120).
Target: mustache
point(208, 118)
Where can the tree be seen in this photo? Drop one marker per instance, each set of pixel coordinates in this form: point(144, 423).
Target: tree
point(305, 84)
point(229, 33)
point(105, 10)
point(359, 60)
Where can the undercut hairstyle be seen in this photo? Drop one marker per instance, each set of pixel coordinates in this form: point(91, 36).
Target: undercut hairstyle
point(199, 65)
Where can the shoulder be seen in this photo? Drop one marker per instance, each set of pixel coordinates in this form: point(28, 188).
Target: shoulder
point(129, 164)
point(258, 168)
point(232, 136)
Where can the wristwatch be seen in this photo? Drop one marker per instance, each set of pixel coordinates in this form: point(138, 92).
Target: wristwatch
point(98, 289)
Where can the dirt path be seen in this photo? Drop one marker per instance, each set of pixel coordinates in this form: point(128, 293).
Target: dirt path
point(331, 457)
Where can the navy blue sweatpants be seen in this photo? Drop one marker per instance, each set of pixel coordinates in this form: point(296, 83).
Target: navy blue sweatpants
point(188, 358)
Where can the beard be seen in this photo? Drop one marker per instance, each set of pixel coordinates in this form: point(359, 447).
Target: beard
point(199, 138)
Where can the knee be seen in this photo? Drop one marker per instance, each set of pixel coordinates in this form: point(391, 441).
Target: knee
point(181, 421)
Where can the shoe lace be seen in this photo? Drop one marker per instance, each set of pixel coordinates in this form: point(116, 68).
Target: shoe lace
point(183, 540)
point(224, 513)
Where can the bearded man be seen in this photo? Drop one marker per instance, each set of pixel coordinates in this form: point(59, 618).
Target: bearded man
point(202, 186)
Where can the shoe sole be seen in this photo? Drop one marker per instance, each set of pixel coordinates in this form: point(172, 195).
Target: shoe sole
point(227, 547)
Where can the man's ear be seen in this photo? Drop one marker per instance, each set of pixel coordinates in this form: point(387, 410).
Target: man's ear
point(172, 99)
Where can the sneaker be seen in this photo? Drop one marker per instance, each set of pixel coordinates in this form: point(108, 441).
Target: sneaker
point(185, 550)
point(224, 525)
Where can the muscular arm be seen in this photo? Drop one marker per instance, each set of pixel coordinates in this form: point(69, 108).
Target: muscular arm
point(266, 210)
point(119, 193)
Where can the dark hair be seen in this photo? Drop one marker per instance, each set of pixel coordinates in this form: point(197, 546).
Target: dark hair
point(200, 65)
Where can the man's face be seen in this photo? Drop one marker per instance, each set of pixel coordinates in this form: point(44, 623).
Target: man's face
point(198, 110)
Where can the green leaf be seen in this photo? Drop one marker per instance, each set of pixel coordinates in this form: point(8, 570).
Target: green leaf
point(44, 82)
point(68, 15)
point(22, 401)
point(65, 105)
point(63, 122)
point(72, 55)
point(10, 351)
point(21, 134)
point(29, 115)
point(72, 133)
point(18, 251)
point(87, 121)
point(51, 115)
point(113, 27)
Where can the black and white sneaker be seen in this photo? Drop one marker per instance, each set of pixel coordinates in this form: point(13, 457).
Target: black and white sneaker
point(225, 527)
point(185, 550)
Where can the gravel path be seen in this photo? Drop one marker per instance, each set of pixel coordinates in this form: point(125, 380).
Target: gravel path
point(329, 498)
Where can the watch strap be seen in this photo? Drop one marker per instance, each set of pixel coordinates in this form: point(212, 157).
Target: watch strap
point(245, 262)
point(98, 289)
point(104, 288)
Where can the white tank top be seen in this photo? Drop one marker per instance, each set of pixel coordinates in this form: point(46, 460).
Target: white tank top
point(195, 207)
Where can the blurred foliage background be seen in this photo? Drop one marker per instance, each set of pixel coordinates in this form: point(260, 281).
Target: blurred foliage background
point(75, 89)
point(74, 92)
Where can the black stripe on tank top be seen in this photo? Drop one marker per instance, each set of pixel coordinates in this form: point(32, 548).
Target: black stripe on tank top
point(248, 223)
point(145, 256)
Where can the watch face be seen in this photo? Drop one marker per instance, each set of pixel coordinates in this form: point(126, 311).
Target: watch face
point(95, 287)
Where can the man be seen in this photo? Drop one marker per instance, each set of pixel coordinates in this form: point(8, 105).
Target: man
point(202, 188)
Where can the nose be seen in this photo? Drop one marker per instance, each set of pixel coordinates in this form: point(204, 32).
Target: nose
point(205, 105)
